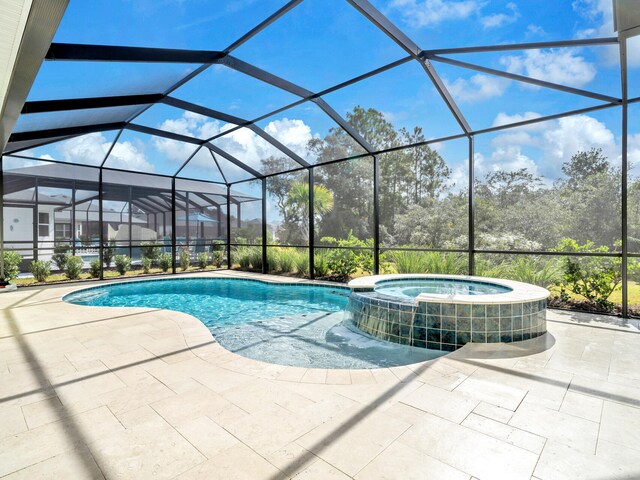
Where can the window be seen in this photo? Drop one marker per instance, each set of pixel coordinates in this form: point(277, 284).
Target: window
point(43, 224)
point(62, 231)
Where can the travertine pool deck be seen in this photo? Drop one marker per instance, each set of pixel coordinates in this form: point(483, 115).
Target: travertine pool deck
point(135, 393)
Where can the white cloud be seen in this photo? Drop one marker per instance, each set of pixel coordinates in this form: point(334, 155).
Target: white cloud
point(534, 30)
point(425, 13)
point(91, 149)
point(129, 156)
point(563, 67)
point(633, 154)
point(506, 119)
point(516, 136)
point(242, 143)
point(251, 148)
point(295, 134)
point(478, 87)
point(555, 141)
point(459, 177)
point(510, 158)
point(600, 14)
point(189, 124)
point(500, 19)
point(578, 133)
point(85, 149)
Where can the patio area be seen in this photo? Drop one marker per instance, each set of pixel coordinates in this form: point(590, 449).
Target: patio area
point(138, 393)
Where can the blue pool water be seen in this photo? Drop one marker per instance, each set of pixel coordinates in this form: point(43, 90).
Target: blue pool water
point(411, 288)
point(298, 325)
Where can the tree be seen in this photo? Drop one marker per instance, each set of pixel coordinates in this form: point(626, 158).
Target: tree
point(429, 171)
point(584, 165)
point(297, 207)
point(591, 195)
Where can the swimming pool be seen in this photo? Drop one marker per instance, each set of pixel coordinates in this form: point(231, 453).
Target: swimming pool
point(289, 324)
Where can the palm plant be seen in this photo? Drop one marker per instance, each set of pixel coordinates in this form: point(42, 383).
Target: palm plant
point(298, 203)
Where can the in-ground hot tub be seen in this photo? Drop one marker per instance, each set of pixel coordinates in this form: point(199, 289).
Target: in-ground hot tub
point(444, 312)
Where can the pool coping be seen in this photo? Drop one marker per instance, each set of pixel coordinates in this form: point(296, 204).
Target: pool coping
point(521, 292)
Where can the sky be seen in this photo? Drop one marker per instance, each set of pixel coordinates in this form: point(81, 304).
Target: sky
point(323, 42)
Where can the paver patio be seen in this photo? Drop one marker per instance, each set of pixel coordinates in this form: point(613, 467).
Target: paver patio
point(141, 393)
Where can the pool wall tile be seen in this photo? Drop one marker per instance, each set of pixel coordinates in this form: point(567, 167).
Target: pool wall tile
point(445, 326)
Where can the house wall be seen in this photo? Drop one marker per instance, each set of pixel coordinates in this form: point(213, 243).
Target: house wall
point(18, 226)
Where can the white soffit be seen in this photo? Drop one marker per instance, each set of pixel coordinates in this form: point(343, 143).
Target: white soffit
point(13, 19)
point(626, 17)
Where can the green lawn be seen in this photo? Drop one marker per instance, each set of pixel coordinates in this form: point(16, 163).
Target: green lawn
point(616, 296)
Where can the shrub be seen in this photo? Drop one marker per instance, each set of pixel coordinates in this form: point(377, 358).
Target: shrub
point(94, 268)
point(150, 250)
point(164, 262)
point(446, 263)
point(594, 278)
point(185, 259)
point(123, 264)
point(489, 266)
point(273, 259)
point(60, 255)
point(203, 260)
point(321, 263)
point(544, 273)
point(352, 255)
point(342, 263)
point(255, 257)
point(12, 261)
point(40, 269)
point(242, 256)
point(107, 255)
point(217, 256)
point(146, 264)
point(287, 260)
point(301, 261)
point(218, 249)
point(407, 261)
point(73, 268)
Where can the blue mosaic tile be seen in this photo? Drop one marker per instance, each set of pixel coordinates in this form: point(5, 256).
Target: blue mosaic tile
point(493, 324)
point(479, 337)
point(463, 337)
point(419, 333)
point(448, 336)
point(463, 310)
point(463, 324)
point(478, 311)
point(516, 309)
point(434, 321)
point(479, 324)
point(449, 323)
point(493, 337)
point(517, 323)
point(434, 335)
point(433, 308)
point(505, 324)
point(448, 309)
point(409, 324)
